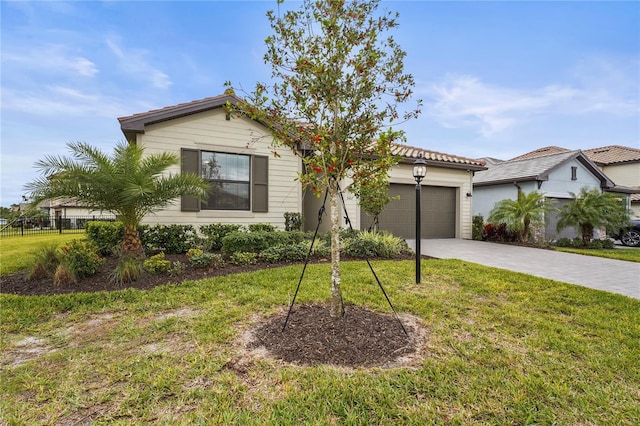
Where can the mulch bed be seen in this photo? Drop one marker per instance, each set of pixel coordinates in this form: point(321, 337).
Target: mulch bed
point(361, 338)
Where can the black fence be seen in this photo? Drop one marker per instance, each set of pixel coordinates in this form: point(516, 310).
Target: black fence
point(49, 225)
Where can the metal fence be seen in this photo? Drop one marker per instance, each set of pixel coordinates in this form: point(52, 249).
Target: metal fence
point(49, 225)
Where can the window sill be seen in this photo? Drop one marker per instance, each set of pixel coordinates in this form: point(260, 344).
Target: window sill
point(225, 214)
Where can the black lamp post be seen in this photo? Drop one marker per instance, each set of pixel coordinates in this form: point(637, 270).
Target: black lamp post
point(419, 172)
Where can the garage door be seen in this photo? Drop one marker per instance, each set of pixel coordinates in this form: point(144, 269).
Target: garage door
point(438, 209)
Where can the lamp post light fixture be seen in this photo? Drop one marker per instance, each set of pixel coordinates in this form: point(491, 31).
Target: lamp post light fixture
point(419, 172)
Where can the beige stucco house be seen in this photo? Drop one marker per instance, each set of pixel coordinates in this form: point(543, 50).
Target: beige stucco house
point(255, 186)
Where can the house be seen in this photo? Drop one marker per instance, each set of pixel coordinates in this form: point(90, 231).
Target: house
point(554, 172)
point(252, 185)
point(620, 163)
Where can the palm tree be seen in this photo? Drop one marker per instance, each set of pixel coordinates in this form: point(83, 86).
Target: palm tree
point(592, 209)
point(125, 184)
point(520, 214)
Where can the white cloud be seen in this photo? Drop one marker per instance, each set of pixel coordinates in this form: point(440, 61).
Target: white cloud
point(466, 101)
point(134, 62)
point(52, 57)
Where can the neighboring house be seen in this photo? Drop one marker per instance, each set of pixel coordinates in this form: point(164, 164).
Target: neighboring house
point(252, 185)
point(555, 174)
point(621, 164)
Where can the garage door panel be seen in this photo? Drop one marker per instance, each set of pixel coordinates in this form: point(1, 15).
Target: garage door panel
point(438, 211)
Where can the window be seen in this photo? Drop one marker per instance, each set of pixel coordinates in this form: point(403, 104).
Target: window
point(229, 175)
point(574, 173)
point(238, 181)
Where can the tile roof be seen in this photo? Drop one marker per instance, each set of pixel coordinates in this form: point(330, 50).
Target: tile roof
point(547, 150)
point(613, 154)
point(409, 153)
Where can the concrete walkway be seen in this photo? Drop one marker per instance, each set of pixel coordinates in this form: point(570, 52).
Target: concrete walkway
point(615, 276)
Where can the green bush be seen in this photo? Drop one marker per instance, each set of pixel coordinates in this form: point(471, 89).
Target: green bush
point(207, 260)
point(293, 221)
point(171, 239)
point(320, 248)
point(244, 258)
point(177, 268)
point(106, 236)
point(215, 232)
point(374, 244)
point(82, 258)
point(261, 227)
point(477, 229)
point(258, 241)
point(157, 264)
point(285, 253)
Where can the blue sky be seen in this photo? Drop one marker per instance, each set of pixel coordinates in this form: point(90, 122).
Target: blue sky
point(497, 78)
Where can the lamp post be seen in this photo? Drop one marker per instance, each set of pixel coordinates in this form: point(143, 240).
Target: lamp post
point(419, 172)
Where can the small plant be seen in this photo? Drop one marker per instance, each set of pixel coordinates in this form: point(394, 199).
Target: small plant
point(157, 264)
point(477, 227)
point(82, 258)
point(293, 221)
point(194, 252)
point(106, 236)
point(320, 248)
point(500, 233)
point(177, 268)
point(46, 260)
point(127, 270)
point(64, 275)
point(244, 258)
point(207, 260)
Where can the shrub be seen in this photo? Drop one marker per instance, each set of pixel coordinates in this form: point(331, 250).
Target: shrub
point(207, 260)
point(193, 252)
point(215, 232)
point(602, 244)
point(157, 264)
point(106, 236)
point(258, 241)
point(261, 227)
point(320, 248)
point(46, 260)
point(477, 227)
point(64, 275)
point(127, 270)
point(500, 233)
point(293, 221)
point(244, 258)
point(177, 268)
point(82, 258)
point(286, 253)
point(374, 243)
point(172, 239)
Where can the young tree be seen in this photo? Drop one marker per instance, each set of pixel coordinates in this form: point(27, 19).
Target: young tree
point(591, 209)
point(522, 213)
point(125, 184)
point(336, 91)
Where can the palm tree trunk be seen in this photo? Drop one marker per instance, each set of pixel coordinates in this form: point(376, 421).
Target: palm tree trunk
point(337, 308)
point(131, 244)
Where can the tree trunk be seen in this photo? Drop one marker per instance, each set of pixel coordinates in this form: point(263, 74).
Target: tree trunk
point(337, 308)
point(131, 244)
point(587, 234)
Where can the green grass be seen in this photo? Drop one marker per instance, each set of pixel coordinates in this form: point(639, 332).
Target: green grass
point(502, 348)
point(628, 254)
point(16, 252)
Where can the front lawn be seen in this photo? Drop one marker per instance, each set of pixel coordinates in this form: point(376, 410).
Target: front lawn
point(502, 348)
point(627, 254)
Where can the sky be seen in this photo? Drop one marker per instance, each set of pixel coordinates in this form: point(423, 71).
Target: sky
point(497, 79)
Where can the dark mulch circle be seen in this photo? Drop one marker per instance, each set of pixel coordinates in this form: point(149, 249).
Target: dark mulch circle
point(362, 338)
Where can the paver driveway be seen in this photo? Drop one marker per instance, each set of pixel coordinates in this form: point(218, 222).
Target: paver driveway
point(611, 275)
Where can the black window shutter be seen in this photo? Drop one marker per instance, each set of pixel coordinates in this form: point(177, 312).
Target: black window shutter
point(190, 163)
point(260, 184)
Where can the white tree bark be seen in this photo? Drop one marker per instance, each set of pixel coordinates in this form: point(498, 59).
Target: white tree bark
point(337, 309)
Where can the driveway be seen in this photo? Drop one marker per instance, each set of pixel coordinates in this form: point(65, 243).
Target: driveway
point(611, 275)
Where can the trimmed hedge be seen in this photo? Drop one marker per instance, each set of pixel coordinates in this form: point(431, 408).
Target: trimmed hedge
point(255, 242)
point(106, 236)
